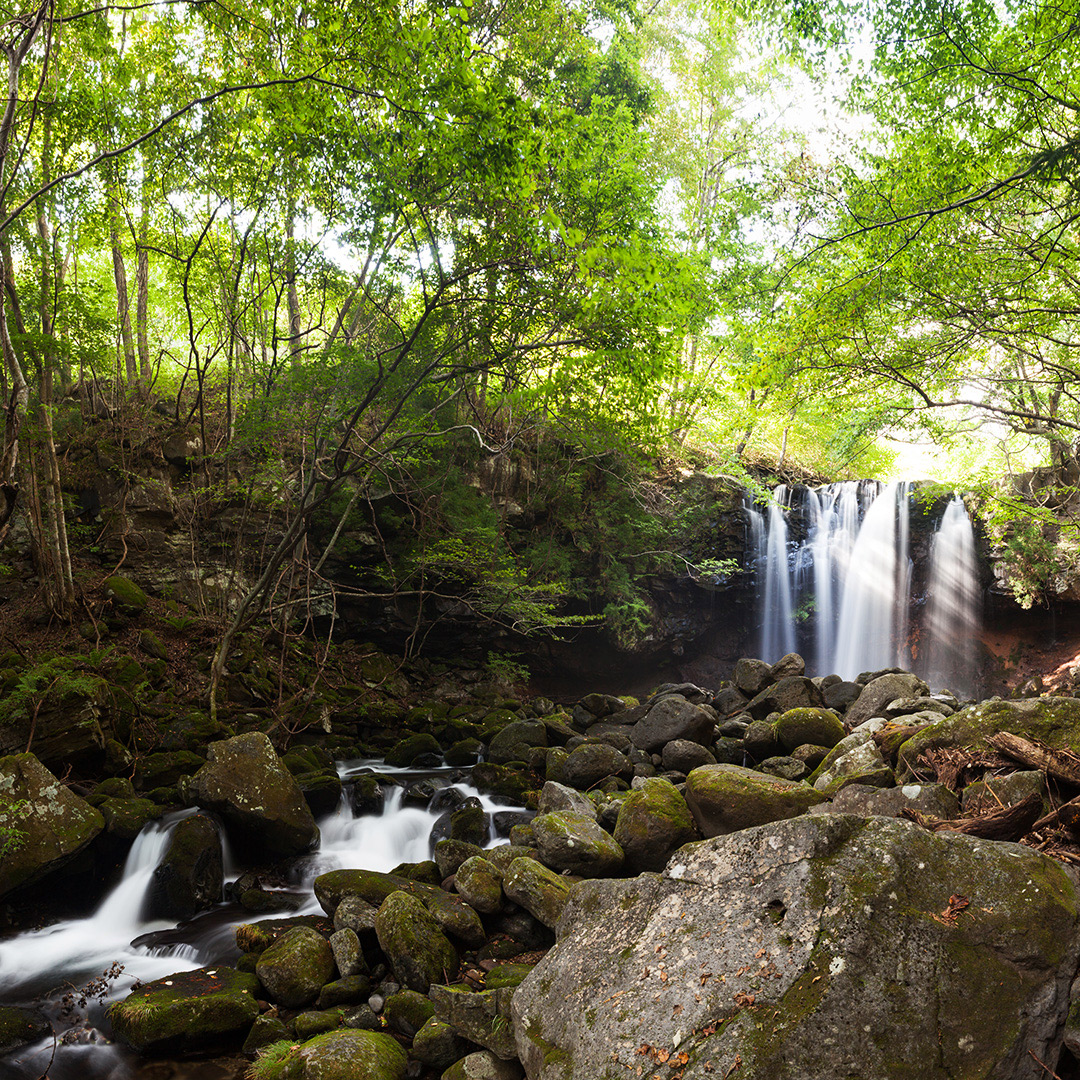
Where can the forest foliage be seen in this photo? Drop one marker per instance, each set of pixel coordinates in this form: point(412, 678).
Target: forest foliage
point(343, 242)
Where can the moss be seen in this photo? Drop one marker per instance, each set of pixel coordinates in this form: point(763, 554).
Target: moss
point(189, 1010)
point(128, 596)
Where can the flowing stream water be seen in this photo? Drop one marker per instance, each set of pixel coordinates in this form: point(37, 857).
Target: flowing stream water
point(843, 590)
point(39, 967)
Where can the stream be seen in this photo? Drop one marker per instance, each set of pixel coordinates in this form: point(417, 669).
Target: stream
point(52, 967)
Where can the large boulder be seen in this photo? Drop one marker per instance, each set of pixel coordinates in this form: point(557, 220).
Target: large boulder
point(296, 967)
point(573, 842)
point(826, 946)
point(515, 741)
point(791, 692)
point(589, 764)
point(726, 798)
point(190, 876)
point(42, 823)
point(261, 804)
point(673, 718)
point(879, 693)
point(816, 727)
point(418, 952)
point(482, 1017)
point(186, 1012)
point(653, 821)
point(1054, 721)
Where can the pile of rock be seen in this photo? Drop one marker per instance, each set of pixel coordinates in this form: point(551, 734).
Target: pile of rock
point(708, 884)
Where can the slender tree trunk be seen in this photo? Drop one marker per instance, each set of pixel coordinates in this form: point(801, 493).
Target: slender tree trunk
point(142, 290)
point(123, 308)
point(292, 296)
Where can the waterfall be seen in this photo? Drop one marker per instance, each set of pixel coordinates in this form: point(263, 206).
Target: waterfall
point(835, 582)
point(952, 603)
point(778, 624)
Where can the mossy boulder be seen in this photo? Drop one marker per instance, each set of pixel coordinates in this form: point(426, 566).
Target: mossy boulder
point(1054, 721)
point(451, 913)
point(264, 811)
point(407, 1011)
point(727, 798)
point(576, 843)
point(653, 821)
point(127, 596)
point(539, 890)
point(825, 946)
point(819, 727)
point(405, 751)
point(20, 1026)
point(418, 952)
point(296, 967)
point(507, 783)
point(190, 876)
point(126, 818)
point(165, 768)
point(482, 1017)
point(856, 759)
point(187, 1012)
point(483, 1065)
point(514, 741)
point(42, 823)
point(345, 1054)
point(438, 1045)
point(479, 883)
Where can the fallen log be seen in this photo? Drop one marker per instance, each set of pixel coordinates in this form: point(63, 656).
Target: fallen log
point(1060, 764)
point(1008, 823)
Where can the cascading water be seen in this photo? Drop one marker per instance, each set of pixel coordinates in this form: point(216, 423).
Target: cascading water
point(836, 581)
point(953, 603)
point(39, 965)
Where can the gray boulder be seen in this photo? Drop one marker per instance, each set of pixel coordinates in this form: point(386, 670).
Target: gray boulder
point(261, 804)
point(591, 763)
point(673, 718)
point(877, 695)
point(555, 796)
point(752, 676)
point(569, 841)
point(826, 946)
point(792, 692)
point(935, 800)
point(681, 755)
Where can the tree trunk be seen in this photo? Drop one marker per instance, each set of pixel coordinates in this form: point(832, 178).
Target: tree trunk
point(123, 309)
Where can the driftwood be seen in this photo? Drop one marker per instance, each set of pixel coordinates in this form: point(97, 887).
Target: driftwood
point(1008, 823)
point(1066, 814)
point(1060, 764)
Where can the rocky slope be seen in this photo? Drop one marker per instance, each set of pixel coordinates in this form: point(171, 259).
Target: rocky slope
point(783, 877)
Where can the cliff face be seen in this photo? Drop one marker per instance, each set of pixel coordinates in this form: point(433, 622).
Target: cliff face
point(591, 569)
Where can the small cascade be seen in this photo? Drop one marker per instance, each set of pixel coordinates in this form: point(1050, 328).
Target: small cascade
point(836, 581)
point(39, 965)
point(78, 949)
point(952, 616)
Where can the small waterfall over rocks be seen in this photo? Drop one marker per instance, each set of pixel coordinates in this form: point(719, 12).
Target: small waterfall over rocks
point(836, 582)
